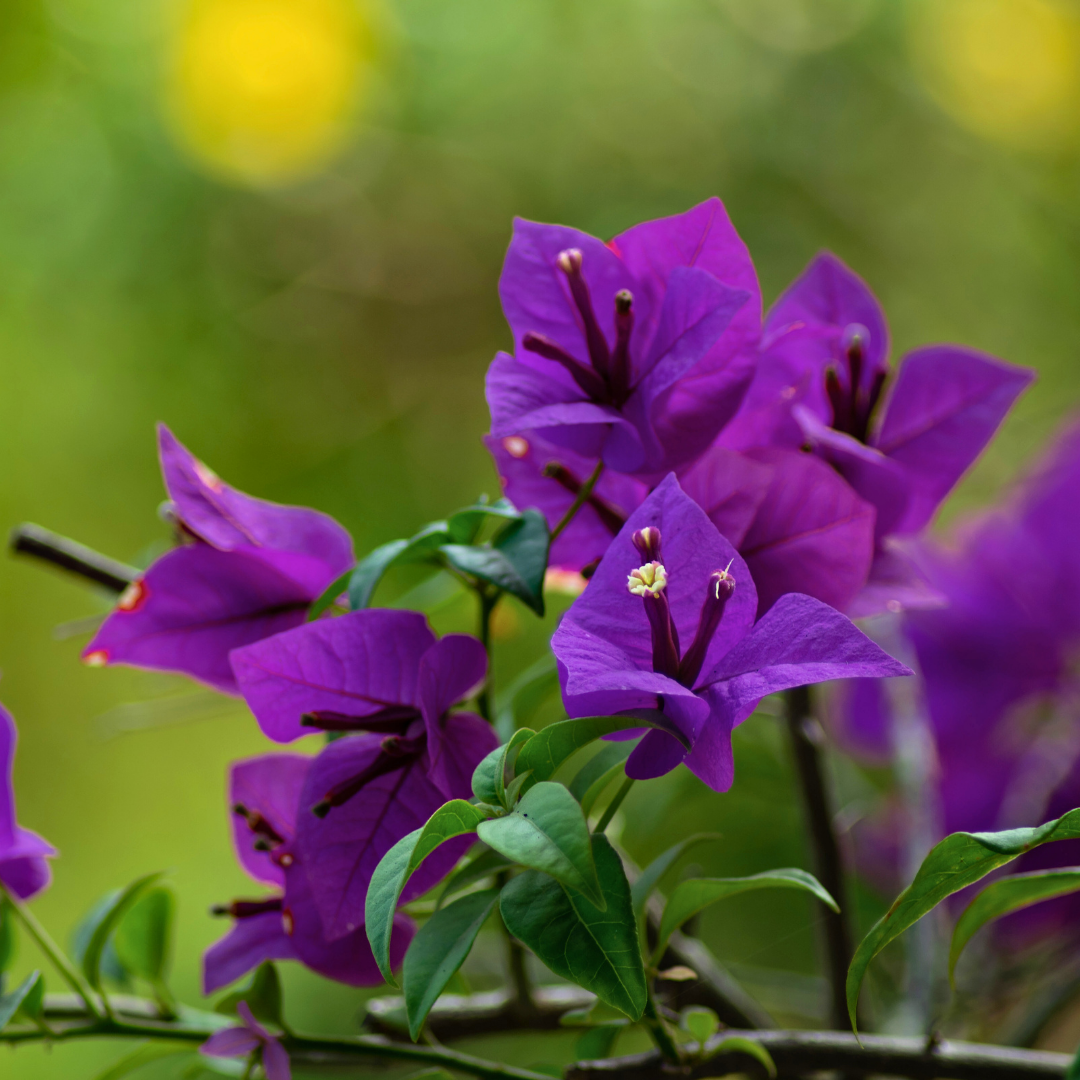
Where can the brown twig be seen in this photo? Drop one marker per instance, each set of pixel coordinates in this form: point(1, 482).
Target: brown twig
point(796, 1053)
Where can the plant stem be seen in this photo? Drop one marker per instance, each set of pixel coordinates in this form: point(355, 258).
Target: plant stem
point(580, 500)
point(522, 1002)
point(659, 1032)
point(817, 801)
point(50, 547)
point(488, 599)
point(55, 954)
point(614, 805)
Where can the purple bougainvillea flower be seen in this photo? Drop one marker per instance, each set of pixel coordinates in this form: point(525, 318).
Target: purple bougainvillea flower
point(250, 1038)
point(23, 854)
point(264, 796)
point(384, 676)
point(251, 569)
point(668, 622)
point(823, 382)
point(797, 523)
point(633, 351)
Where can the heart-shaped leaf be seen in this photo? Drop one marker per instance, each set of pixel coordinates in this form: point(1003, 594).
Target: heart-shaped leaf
point(593, 947)
point(547, 831)
point(119, 904)
point(455, 818)
point(438, 950)
point(144, 934)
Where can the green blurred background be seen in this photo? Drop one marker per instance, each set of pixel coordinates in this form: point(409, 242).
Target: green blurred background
point(278, 226)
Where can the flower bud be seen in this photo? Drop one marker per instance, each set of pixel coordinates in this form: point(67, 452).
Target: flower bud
point(569, 261)
point(647, 541)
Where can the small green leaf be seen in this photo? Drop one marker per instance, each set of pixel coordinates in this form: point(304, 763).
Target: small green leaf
point(144, 935)
point(262, 992)
point(369, 572)
point(525, 543)
point(484, 865)
point(1004, 896)
point(121, 903)
point(651, 875)
point(551, 746)
point(142, 1055)
point(455, 818)
point(111, 968)
point(483, 777)
point(955, 863)
point(505, 774)
point(336, 588)
point(738, 1044)
point(438, 950)
point(547, 831)
point(23, 997)
point(464, 525)
point(699, 1022)
point(690, 897)
point(597, 949)
point(598, 1042)
point(513, 790)
point(7, 934)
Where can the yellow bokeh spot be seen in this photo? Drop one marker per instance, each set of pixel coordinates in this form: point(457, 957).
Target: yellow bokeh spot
point(1005, 68)
point(262, 91)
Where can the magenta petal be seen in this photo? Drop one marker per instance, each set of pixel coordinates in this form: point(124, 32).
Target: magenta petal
point(692, 550)
point(232, 1042)
point(244, 948)
point(656, 755)
point(270, 786)
point(354, 664)
point(799, 640)
point(450, 671)
point(25, 876)
point(712, 760)
point(894, 584)
point(193, 607)
point(812, 533)
point(229, 519)
point(729, 487)
point(340, 852)
point(347, 959)
point(8, 738)
point(702, 237)
point(534, 293)
point(275, 1061)
point(515, 390)
point(520, 460)
point(945, 407)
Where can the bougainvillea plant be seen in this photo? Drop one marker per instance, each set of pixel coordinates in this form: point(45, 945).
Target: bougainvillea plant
point(722, 495)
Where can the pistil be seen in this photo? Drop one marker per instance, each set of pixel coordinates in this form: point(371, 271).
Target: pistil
point(395, 752)
point(569, 262)
point(649, 582)
point(719, 591)
point(391, 720)
point(620, 361)
point(591, 382)
point(245, 909)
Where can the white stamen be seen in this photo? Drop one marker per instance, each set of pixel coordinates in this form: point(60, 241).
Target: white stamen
point(650, 579)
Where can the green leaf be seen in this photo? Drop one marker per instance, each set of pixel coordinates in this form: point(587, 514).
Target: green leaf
point(144, 935)
point(1004, 896)
point(595, 775)
point(547, 831)
point(1074, 1068)
point(111, 968)
point(464, 525)
point(438, 950)
point(262, 992)
point(598, 1042)
point(335, 589)
point(739, 1044)
point(505, 774)
point(551, 746)
point(455, 818)
point(597, 949)
point(525, 544)
point(690, 897)
point(955, 863)
point(651, 875)
point(23, 997)
point(515, 705)
point(490, 777)
point(699, 1022)
point(7, 934)
point(369, 572)
point(486, 863)
point(142, 1055)
point(120, 903)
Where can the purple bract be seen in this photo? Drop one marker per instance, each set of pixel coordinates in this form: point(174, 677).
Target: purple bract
point(668, 622)
point(384, 678)
point(23, 854)
point(634, 351)
point(251, 569)
point(250, 1037)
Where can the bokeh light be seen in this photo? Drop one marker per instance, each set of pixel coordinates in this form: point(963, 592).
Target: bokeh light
point(1005, 68)
point(263, 91)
